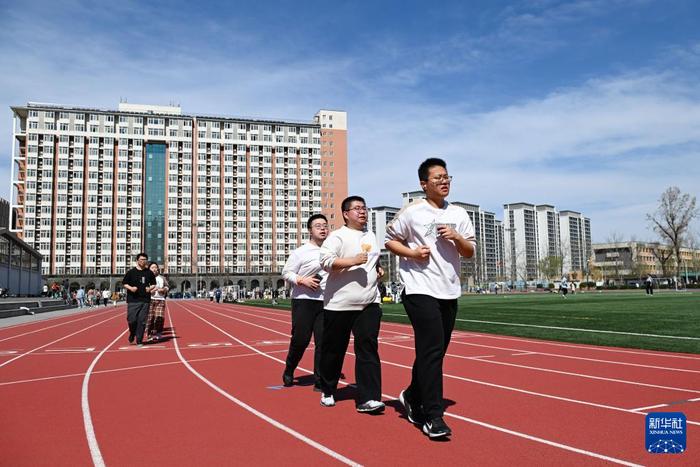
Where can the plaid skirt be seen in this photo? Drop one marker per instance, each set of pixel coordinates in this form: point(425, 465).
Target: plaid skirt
point(154, 322)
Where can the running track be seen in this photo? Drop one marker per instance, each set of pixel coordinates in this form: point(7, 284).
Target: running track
point(75, 393)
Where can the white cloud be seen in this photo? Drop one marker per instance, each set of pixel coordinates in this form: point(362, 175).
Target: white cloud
point(607, 147)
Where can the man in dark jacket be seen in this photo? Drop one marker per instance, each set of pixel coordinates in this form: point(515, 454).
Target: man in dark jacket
point(138, 282)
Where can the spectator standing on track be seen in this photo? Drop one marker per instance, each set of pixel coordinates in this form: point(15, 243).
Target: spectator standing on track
point(649, 285)
point(156, 310)
point(138, 282)
point(429, 235)
point(303, 271)
point(351, 304)
point(105, 296)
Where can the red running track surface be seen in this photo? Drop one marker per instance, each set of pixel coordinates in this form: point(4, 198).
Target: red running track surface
point(75, 392)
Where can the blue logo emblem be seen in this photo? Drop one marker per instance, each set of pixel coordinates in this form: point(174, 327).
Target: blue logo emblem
point(665, 433)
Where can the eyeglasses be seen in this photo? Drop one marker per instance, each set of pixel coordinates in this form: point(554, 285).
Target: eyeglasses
point(442, 179)
point(358, 209)
point(320, 226)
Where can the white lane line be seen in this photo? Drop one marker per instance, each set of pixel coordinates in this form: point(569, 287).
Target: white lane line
point(485, 383)
point(128, 368)
point(72, 350)
point(522, 353)
point(596, 360)
point(95, 452)
point(53, 342)
point(547, 370)
point(449, 414)
point(84, 317)
point(639, 409)
point(582, 375)
point(561, 344)
point(539, 326)
point(252, 410)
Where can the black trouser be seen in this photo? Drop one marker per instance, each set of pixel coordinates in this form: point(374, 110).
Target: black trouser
point(650, 289)
point(136, 313)
point(433, 321)
point(364, 325)
point(307, 318)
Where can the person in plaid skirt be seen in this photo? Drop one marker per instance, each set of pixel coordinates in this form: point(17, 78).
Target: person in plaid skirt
point(154, 323)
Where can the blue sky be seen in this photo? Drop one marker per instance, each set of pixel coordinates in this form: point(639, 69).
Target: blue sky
point(592, 106)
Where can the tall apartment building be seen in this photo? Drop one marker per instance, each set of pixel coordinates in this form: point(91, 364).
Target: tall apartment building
point(484, 266)
point(201, 194)
point(575, 240)
point(334, 164)
point(377, 220)
point(534, 232)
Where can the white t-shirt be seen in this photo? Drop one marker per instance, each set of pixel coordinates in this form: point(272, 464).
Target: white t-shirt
point(415, 225)
point(305, 261)
point(355, 287)
point(160, 283)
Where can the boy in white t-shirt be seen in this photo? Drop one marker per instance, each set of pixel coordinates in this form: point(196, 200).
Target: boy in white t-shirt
point(430, 235)
point(303, 270)
point(351, 304)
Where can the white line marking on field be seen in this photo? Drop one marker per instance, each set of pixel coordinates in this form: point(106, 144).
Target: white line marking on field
point(469, 420)
point(597, 360)
point(85, 405)
point(665, 405)
point(72, 350)
point(599, 331)
point(556, 344)
point(522, 353)
point(210, 344)
point(53, 342)
point(252, 410)
point(128, 368)
point(8, 352)
point(84, 317)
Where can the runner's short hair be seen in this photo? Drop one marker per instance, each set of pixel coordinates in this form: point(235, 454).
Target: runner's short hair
point(142, 254)
point(345, 206)
point(425, 166)
point(313, 218)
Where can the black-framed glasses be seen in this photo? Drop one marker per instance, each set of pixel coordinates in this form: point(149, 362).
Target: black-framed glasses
point(358, 209)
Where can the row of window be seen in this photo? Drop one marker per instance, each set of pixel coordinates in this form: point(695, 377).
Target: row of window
point(173, 122)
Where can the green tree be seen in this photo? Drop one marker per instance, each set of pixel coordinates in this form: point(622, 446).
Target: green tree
point(550, 266)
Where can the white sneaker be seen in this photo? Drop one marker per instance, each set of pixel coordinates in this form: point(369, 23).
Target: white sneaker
point(370, 406)
point(327, 401)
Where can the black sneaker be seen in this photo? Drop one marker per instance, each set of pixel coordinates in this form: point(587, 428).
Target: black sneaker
point(131, 338)
point(414, 412)
point(287, 378)
point(436, 428)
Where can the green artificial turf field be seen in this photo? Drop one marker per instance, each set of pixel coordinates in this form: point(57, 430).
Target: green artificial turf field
point(673, 318)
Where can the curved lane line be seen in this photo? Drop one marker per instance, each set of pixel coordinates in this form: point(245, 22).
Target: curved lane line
point(448, 414)
point(252, 410)
point(95, 452)
point(53, 342)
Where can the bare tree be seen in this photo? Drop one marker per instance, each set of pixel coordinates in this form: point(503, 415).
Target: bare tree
point(672, 219)
point(663, 255)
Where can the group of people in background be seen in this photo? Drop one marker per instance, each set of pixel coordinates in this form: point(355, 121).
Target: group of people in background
point(335, 294)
